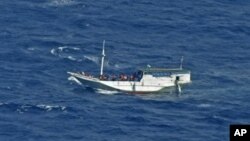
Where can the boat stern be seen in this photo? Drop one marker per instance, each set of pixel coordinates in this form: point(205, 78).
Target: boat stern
point(182, 78)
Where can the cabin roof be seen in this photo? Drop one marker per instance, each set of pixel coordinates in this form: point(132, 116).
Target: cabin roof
point(164, 70)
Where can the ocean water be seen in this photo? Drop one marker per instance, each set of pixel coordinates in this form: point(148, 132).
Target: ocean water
point(43, 39)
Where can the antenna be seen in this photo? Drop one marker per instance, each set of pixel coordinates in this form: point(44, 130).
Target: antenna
point(103, 55)
point(182, 58)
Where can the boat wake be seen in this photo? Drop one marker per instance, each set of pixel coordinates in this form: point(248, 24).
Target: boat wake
point(71, 78)
point(106, 92)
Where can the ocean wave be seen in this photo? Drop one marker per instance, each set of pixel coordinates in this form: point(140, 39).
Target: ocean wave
point(204, 105)
point(61, 2)
point(65, 53)
point(56, 51)
point(50, 107)
point(28, 108)
point(69, 48)
point(71, 58)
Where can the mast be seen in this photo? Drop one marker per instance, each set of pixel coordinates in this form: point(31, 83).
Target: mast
point(103, 55)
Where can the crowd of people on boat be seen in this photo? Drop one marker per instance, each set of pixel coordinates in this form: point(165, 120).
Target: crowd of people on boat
point(122, 77)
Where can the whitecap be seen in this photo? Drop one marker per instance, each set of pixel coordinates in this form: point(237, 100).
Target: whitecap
point(61, 2)
point(63, 108)
point(62, 48)
point(49, 107)
point(204, 105)
point(76, 48)
point(53, 51)
point(71, 58)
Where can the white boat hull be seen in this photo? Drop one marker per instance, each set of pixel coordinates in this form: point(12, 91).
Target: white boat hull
point(141, 86)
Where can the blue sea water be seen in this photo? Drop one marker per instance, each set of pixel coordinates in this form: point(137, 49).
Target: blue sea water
point(43, 39)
